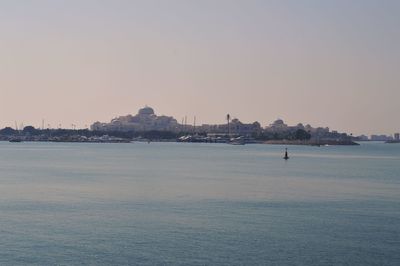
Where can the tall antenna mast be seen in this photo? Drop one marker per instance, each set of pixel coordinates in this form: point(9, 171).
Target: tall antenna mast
point(194, 124)
point(185, 122)
point(228, 118)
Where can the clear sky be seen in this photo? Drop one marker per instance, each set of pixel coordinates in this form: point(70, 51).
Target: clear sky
point(327, 63)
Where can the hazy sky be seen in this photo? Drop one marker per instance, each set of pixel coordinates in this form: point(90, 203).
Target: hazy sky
point(327, 63)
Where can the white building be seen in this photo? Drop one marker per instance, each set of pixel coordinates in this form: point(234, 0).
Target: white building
point(145, 120)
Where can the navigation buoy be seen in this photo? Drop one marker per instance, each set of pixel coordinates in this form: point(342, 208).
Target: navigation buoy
point(286, 155)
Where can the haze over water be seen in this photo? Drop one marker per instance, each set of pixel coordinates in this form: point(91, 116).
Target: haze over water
point(199, 204)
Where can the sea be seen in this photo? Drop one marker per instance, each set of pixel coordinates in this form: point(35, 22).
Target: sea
point(199, 204)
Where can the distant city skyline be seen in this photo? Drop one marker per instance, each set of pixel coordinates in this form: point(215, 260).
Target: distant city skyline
point(325, 63)
point(163, 122)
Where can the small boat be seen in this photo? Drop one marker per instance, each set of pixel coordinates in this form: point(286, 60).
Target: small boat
point(237, 141)
point(286, 155)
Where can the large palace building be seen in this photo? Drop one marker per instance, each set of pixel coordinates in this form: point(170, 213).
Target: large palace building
point(145, 120)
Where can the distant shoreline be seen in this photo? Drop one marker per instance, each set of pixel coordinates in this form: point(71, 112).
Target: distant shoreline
point(392, 141)
point(268, 142)
point(312, 142)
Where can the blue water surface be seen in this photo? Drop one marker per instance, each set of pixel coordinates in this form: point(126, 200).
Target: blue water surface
point(199, 204)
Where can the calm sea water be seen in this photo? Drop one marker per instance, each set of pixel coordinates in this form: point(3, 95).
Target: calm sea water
point(198, 204)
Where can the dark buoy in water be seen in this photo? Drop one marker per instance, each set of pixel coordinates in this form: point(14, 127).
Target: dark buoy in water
point(286, 155)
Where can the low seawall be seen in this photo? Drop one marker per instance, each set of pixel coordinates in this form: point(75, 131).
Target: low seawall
point(311, 142)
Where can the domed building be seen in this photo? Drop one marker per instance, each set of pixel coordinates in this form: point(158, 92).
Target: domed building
point(146, 111)
point(277, 125)
point(144, 120)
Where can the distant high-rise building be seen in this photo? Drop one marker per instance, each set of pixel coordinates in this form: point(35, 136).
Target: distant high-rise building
point(380, 138)
point(397, 136)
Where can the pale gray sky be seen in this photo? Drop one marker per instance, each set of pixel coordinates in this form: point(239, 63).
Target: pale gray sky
point(327, 63)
